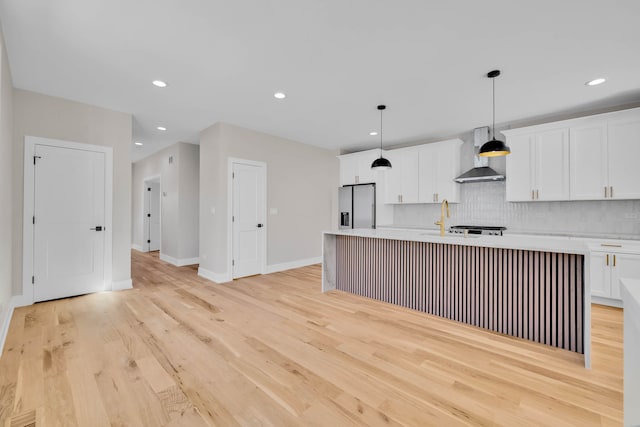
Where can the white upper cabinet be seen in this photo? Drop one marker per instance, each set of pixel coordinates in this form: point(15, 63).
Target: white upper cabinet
point(589, 162)
point(538, 166)
point(552, 165)
point(355, 168)
point(589, 158)
point(402, 178)
point(419, 174)
point(624, 157)
point(520, 180)
point(439, 165)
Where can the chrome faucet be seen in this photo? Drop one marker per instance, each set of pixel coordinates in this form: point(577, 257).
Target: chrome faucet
point(444, 204)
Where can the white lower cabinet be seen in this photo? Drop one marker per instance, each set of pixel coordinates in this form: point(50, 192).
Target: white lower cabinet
point(607, 268)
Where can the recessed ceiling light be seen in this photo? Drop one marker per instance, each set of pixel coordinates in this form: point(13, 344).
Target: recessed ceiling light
point(279, 95)
point(374, 133)
point(159, 83)
point(138, 143)
point(595, 82)
point(161, 128)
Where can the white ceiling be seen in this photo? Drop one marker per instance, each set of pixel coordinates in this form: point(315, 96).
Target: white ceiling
point(335, 59)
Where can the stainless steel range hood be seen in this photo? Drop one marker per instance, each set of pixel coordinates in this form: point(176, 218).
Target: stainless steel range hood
point(481, 171)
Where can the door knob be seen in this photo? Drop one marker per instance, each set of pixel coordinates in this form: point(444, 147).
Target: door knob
point(260, 225)
point(96, 228)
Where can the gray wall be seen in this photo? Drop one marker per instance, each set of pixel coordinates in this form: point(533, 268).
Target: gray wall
point(302, 183)
point(6, 181)
point(179, 181)
point(485, 204)
point(50, 117)
point(189, 200)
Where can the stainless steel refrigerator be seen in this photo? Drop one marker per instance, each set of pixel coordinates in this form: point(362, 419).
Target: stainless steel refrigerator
point(357, 206)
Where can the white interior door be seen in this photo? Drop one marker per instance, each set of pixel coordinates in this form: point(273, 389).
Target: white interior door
point(152, 215)
point(248, 219)
point(69, 223)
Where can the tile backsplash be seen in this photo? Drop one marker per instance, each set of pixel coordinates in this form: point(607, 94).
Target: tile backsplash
point(484, 203)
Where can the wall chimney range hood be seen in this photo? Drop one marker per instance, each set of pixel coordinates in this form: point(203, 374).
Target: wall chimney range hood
point(481, 171)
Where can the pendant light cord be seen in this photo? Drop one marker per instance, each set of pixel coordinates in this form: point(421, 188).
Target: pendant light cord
point(493, 129)
point(380, 133)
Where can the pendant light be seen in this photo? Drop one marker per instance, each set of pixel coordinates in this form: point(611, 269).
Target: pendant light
point(381, 163)
point(494, 147)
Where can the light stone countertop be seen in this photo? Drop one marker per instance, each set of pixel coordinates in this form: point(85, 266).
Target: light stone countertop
point(631, 298)
point(631, 301)
point(531, 243)
point(594, 242)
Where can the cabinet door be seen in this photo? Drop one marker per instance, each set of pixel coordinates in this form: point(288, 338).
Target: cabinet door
point(588, 154)
point(624, 152)
point(600, 274)
point(393, 178)
point(348, 170)
point(623, 266)
point(519, 168)
point(409, 175)
point(447, 168)
point(365, 173)
point(428, 186)
point(552, 165)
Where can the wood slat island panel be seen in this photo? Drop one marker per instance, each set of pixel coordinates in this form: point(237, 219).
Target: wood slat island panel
point(533, 295)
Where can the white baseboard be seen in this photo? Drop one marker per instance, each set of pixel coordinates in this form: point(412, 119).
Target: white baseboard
point(5, 318)
point(274, 268)
point(121, 285)
point(214, 277)
point(607, 301)
point(137, 247)
point(179, 262)
point(20, 301)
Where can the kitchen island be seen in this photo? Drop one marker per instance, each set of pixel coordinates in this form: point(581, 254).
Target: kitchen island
point(528, 287)
point(631, 299)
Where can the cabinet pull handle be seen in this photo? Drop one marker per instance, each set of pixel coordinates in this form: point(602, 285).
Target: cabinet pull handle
point(614, 260)
point(607, 259)
point(533, 194)
point(605, 192)
point(437, 197)
point(537, 195)
point(611, 192)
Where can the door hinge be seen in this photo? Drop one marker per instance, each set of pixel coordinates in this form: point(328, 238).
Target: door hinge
point(148, 241)
point(34, 219)
point(233, 262)
point(233, 218)
point(36, 157)
point(33, 280)
point(148, 189)
point(233, 175)
point(148, 215)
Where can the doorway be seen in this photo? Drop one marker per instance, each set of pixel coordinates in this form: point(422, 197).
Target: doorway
point(248, 214)
point(152, 216)
point(67, 219)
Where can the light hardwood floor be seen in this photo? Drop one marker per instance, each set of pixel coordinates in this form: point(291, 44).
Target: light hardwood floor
point(273, 351)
